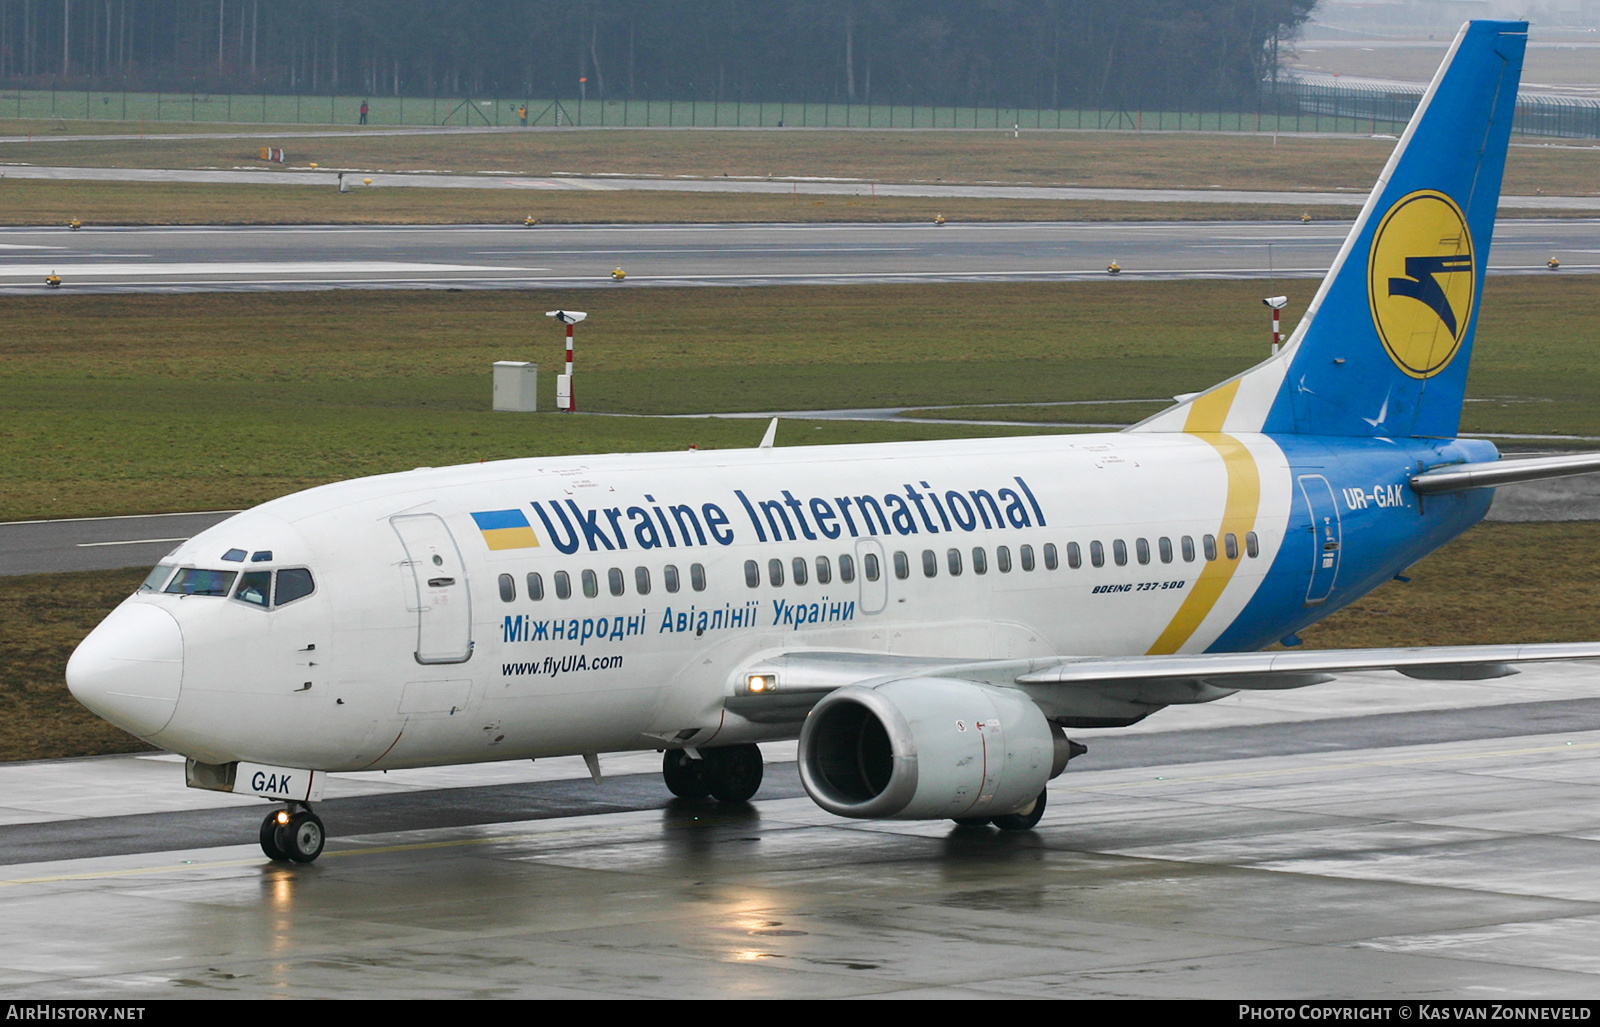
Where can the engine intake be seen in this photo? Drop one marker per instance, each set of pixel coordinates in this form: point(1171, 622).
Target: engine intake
point(927, 749)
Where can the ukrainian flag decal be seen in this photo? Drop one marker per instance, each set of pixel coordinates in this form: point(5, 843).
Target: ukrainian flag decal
point(506, 529)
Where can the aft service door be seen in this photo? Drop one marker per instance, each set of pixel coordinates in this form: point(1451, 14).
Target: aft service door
point(442, 603)
point(873, 574)
point(1325, 536)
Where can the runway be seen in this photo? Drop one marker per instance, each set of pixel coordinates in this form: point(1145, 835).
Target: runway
point(1375, 837)
point(209, 259)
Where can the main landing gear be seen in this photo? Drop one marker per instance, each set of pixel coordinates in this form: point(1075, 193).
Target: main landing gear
point(731, 773)
point(292, 834)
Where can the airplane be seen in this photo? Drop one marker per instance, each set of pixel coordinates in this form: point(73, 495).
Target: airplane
point(929, 619)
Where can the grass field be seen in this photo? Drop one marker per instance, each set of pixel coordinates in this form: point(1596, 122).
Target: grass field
point(1091, 159)
point(1105, 159)
point(118, 404)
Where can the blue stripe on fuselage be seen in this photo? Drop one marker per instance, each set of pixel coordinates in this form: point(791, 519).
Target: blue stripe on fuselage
point(1378, 538)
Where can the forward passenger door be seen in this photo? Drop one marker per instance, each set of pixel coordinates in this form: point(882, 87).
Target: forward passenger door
point(443, 603)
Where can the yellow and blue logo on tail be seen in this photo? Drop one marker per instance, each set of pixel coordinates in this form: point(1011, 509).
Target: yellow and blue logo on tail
point(1422, 282)
point(506, 529)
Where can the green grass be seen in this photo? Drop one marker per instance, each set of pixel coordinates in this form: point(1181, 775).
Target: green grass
point(140, 403)
point(44, 618)
point(1499, 583)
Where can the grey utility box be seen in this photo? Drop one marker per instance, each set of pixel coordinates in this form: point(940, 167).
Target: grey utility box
point(516, 385)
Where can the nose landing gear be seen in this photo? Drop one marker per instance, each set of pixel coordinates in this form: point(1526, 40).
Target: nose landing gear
point(292, 834)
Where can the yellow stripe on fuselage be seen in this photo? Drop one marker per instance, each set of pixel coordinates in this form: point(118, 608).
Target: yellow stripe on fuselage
point(1206, 417)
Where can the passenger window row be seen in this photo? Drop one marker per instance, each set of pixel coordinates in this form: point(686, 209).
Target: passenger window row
point(801, 570)
point(1026, 558)
point(616, 582)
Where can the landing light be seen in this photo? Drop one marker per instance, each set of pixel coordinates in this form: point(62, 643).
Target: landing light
point(760, 684)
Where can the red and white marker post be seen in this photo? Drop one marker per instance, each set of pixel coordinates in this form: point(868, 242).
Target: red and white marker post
point(1277, 303)
point(566, 398)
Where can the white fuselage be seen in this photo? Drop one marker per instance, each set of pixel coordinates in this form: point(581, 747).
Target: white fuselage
point(337, 679)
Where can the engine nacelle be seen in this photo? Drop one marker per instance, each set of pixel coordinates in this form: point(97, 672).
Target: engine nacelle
point(927, 749)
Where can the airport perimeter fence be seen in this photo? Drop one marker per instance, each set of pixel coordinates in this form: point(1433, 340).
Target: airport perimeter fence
point(1292, 107)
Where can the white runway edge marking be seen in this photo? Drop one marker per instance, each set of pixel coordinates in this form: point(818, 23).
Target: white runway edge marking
point(251, 268)
point(130, 542)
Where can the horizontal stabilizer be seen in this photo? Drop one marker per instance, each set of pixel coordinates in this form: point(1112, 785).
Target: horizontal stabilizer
point(1492, 473)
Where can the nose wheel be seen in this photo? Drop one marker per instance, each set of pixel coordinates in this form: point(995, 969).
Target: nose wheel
point(294, 835)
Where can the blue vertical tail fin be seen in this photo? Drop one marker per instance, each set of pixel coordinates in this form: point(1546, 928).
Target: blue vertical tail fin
point(1384, 347)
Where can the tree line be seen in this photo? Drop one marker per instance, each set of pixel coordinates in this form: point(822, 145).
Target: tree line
point(1030, 53)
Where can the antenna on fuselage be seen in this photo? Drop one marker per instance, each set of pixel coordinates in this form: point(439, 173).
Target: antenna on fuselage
point(772, 433)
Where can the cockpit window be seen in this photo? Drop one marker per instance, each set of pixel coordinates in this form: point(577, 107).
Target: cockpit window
point(261, 556)
point(293, 583)
point(255, 587)
point(197, 581)
point(234, 556)
point(157, 578)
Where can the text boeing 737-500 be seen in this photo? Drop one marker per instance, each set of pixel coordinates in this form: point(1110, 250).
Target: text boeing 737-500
point(928, 618)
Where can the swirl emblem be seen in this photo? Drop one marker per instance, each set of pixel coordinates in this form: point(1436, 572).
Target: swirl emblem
point(1422, 282)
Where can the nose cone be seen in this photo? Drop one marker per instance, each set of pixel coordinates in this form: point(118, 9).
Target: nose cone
point(130, 668)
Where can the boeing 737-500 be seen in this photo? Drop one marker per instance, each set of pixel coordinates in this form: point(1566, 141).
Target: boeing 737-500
point(930, 619)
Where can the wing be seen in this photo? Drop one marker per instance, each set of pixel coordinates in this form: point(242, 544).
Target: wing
point(1110, 691)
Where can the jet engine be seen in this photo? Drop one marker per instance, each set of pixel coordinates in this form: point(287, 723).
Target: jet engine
point(928, 749)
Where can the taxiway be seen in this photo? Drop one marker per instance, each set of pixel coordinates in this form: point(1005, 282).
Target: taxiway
point(1376, 837)
point(488, 256)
